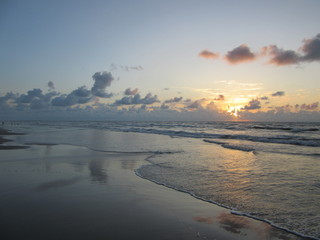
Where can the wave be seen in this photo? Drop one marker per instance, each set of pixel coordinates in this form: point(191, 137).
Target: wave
point(254, 150)
point(232, 210)
point(157, 152)
point(287, 129)
point(230, 146)
point(278, 139)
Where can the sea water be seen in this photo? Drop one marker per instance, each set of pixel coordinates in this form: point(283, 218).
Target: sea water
point(265, 170)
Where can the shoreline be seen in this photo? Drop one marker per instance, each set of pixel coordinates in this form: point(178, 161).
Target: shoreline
point(231, 211)
point(5, 132)
point(177, 215)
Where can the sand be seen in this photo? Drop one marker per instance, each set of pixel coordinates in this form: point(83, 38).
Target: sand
point(71, 192)
point(4, 132)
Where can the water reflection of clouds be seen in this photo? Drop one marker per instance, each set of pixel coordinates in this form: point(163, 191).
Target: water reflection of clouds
point(202, 219)
point(233, 223)
point(97, 171)
point(128, 164)
point(47, 152)
point(57, 184)
point(245, 226)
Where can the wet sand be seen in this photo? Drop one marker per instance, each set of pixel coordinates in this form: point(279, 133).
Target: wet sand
point(4, 132)
point(68, 192)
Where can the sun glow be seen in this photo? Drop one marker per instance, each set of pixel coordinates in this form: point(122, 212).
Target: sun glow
point(234, 110)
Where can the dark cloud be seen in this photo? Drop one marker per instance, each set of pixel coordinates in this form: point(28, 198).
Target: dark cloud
point(81, 95)
point(5, 101)
point(31, 94)
point(137, 99)
point(265, 98)
point(38, 104)
point(34, 99)
point(102, 80)
point(51, 85)
point(164, 106)
point(253, 105)
point(308, 52)
point(311, 49)
point(220, 98)
point(240, 54)
point(129, 92)
point(138, 68)
point(284, 108)
point(279, 56)
point(312, 106)
point(208, 54)
point(278, 94)
point(69, 100)
point(174, 100)
point(81, 92)
point(194, 105)
point(125, 68)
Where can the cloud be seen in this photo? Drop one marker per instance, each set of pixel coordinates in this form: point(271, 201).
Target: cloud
point(137, 99)
point(240, 54)
point(311, 49)
point(83, 95)
point(51, 85)
point(253, 105)
point(312, 106)
point(114, 66)
point(6, 100)
point(208, 54)
point(198, 104)
point(102, 80)
point(174, 100)
point(265, 98)
point(31, 94)
point(195, 105)
point(220, 98)
point(163, 106)
point(308, 52)
point(34, 99)
point(138, 68)
point(278, 94)
point(81, 92)
point(129, 92)
point(279, 56)
point(286, 116)
point(69, 100)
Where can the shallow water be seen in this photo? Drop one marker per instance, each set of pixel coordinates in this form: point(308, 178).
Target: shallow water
point(266, 170)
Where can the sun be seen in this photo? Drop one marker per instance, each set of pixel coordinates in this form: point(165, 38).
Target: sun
point(234, 110)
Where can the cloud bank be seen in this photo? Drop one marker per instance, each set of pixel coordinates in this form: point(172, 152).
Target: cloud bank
point(137, 99)
point(308, 52)
point(96, 103)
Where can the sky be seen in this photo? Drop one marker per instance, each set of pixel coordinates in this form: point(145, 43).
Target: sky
point(160, 60)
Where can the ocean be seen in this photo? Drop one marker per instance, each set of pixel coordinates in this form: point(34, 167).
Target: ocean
point(264, 170)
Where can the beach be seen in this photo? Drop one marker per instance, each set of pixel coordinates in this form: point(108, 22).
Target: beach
point(63, 191)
